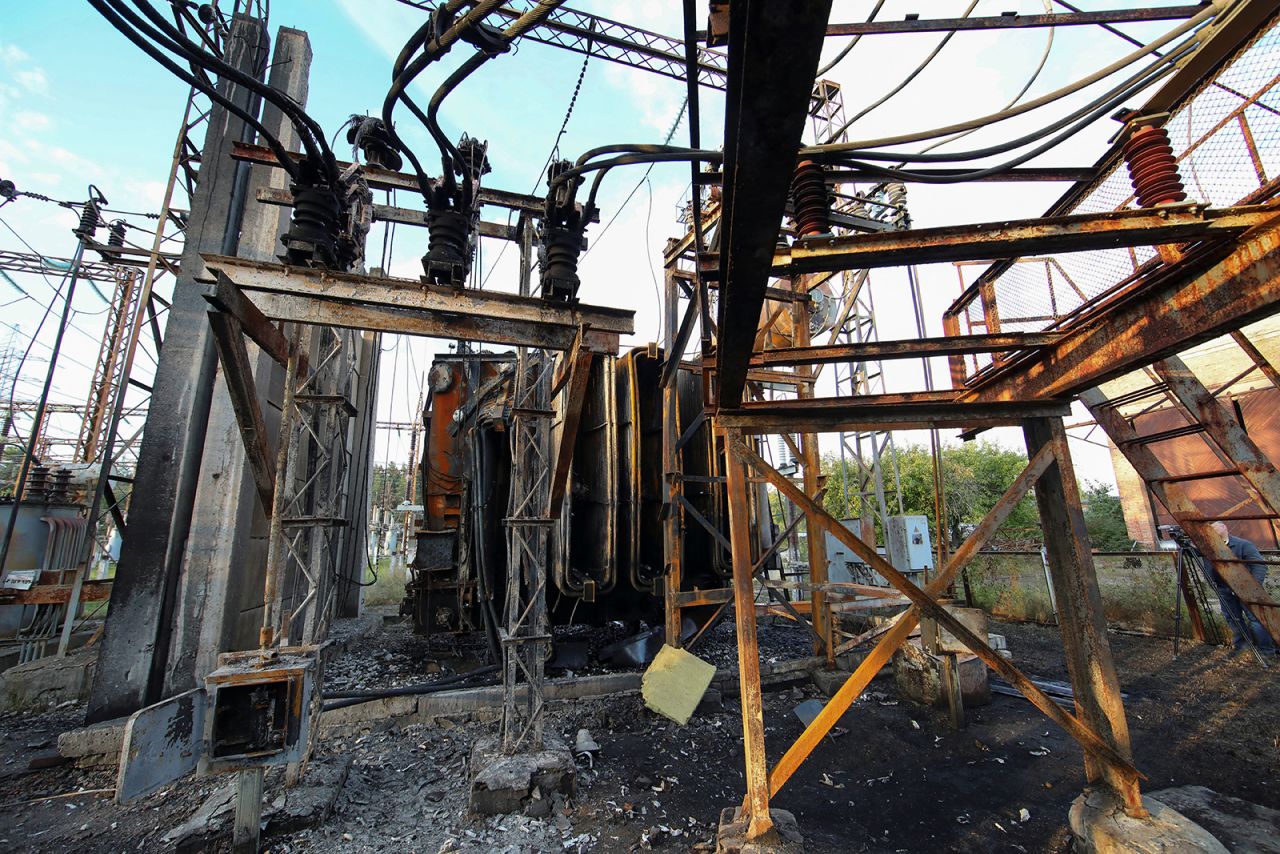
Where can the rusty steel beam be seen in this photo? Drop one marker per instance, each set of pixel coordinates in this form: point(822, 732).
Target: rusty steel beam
point(1170, 313)
point(390, 213)
point(575, 382)
point(229, 299)
point(385, 179)
point(1255, 356)
point(766, 106)
point(56, 594)
point(237, 375)
point(1228, 434)
point(904, 349)
point(989, 240)
point(923, 603)
point(1173, 495)
point(1012, 20)
point(1078, 605)
point(410, 307)
point(915, 411)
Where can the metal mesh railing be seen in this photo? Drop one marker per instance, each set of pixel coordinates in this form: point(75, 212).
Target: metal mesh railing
point(1226, 139)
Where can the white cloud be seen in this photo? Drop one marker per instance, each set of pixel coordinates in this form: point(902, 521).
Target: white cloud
point(33, 80)
point(11, 54)
point(29, 120)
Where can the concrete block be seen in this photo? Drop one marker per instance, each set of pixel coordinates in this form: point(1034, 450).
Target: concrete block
point(829, 681)
point(47, 682)
point(520, 782)
point(94, 745)
point(1100, 826)
point(918, 677)
point(931, 633)
point(1238, 824)
point(675, 682)
point(784, 838)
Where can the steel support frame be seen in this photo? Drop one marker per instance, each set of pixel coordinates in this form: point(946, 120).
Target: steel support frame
point(1194, 301)
point(1099, 723)
point(408, 307)
point(766, 105)
point(980, 241)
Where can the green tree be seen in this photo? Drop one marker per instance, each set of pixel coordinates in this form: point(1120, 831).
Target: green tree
point(974, 476)
point(388, 485)
point(1104, 518)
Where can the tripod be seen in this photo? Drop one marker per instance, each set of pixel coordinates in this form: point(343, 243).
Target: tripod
point(1189, 567)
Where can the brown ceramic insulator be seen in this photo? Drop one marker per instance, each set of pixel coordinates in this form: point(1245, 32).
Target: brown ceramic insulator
point(812, 209)
point(1152, 167)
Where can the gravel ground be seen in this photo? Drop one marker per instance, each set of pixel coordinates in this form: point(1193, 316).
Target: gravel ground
point(894, 779)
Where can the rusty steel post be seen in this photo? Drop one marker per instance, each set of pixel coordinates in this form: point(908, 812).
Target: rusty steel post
point(815, 540)
point(1080, 614)
point(756, 805)
point(671, 536)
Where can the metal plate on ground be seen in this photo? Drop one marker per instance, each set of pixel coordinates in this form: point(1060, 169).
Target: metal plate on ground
point(161, 743)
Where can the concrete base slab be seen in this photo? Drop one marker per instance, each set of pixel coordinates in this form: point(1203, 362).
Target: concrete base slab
point(521, 782)
point(1100, 826)
point(47, 682)
point(784, 838)
point(1239, 825)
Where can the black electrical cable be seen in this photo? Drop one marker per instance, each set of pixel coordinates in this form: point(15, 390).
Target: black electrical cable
point(1134, 83)
point(181, 44)
point(169, 37)
point(916, 177)
point(404, 73)
point(281, 153)
point(412, 690)
point(845, 50)
point(452, 157)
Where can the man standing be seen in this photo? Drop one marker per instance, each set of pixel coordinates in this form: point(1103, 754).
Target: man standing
point(1238, 615)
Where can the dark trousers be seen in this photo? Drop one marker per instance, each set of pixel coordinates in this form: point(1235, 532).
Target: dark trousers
point(1239, 616)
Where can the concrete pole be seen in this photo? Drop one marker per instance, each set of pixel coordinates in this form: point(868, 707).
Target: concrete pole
point(220, 594)
point(135, 646)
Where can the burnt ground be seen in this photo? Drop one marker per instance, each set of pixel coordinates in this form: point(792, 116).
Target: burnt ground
point(895, 778)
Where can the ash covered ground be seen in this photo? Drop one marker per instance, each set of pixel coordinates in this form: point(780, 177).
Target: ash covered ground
point(895, 778)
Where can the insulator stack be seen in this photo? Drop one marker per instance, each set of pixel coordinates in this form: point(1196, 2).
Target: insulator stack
point(60, 490)
point(37, 488)
point(88, 226)
point(812, 202)
point(311, 240)
point(448, 258)
point(1152, 167)
point(896, 195)
point(116, 237)
point(558, 255)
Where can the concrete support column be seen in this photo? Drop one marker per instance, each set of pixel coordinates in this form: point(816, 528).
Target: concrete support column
point(135, 646)
point(220, 593)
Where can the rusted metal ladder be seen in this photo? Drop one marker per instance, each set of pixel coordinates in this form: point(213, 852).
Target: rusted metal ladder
point(1240, 457)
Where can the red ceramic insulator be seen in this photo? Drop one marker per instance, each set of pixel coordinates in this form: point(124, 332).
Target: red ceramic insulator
point(1152, 167)
point(812, 208)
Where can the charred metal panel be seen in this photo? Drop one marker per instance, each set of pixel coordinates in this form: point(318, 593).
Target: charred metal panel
point(161, 743)
point(584, 554)
point(467, 403)
point(640, 485)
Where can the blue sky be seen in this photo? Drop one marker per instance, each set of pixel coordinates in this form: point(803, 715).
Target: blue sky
point(83, 105)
